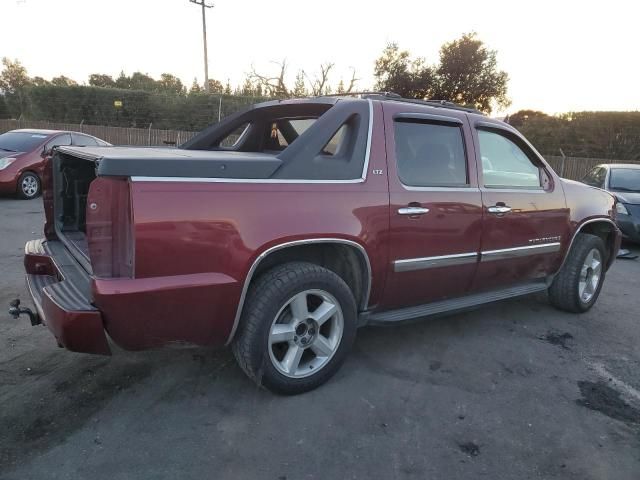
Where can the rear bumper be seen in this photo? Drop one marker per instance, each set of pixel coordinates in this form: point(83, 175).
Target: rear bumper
point(61, 292)
point(137, 313)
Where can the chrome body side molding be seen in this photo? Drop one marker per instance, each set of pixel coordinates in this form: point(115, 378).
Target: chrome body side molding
point(410, 264)
point(367, 284)
point(505, 253)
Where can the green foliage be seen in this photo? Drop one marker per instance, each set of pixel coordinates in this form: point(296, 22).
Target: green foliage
point(467, 73)
point(101, 80)
point(95, 105)
point(63, 81)
point(396, 72)
point(611, 135)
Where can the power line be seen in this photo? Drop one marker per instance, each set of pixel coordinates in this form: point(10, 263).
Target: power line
point(204, 5)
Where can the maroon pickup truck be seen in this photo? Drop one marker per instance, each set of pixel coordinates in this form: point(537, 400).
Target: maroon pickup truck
point(284, 228)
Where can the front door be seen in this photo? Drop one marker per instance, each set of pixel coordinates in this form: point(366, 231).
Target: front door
point(436, 208)
point(525, 219)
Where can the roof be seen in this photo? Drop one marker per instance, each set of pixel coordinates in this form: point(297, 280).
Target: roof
point(41, 131)
point(633, 166)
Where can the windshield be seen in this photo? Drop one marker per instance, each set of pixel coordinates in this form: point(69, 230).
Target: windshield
point(625, 179)
point(20, 141)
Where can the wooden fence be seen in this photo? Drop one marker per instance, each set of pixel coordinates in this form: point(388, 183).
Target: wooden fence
point(114, 135)
point(575, 168)
point(572, 167)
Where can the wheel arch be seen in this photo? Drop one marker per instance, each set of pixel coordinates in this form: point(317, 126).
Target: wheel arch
point(347, 258)
point(605, 228)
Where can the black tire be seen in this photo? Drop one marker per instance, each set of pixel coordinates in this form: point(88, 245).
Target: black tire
point(29, 186)
point(266, 299)
point(564, 292)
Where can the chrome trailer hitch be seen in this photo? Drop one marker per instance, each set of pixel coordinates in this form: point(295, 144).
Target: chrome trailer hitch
point(15, 310)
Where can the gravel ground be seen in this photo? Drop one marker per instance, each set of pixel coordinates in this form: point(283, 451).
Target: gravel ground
point(513, 390)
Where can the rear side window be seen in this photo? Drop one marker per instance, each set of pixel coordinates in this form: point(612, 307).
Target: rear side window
point(430, 154)
point(64, 139)
point(83, 140)
point(505, 164)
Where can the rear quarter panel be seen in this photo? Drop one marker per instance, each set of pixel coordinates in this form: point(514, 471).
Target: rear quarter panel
point(187, 229)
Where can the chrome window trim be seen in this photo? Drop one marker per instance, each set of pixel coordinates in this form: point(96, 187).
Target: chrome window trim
point(506, 253)
point(411, 264)
point(367, 291)
point(363, 177)
point(426, 117)
point(457, 188)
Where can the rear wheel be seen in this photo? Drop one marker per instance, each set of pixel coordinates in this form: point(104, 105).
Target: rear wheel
point(28, 185)
point(577, 286)
point(297, 326)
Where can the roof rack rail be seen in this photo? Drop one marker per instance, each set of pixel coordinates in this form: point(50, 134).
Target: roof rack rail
point(362, 93)
point(392, 96)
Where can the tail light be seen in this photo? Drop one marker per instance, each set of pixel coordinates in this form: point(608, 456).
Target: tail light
point(110, 228)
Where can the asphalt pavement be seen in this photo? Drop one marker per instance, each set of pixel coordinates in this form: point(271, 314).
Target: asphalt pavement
point(515, 390)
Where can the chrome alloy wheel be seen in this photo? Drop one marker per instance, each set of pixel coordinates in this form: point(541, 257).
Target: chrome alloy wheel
point(29, 185)
point(306, 333)
point(590, 275)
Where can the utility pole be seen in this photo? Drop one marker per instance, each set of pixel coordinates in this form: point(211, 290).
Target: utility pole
point(204, 40)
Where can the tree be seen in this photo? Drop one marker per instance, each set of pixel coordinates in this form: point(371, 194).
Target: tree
point(396, 72)
point(142, 81)
point(467, 73)
point(521, 117)
point(320, 83)
point(227, 88)
point(39, 81)
point(195, 87)
point(123, 81)
point(273, 86)
point(299, 87)
point(215, 86)
point(101, 80)
point(13, 82)
point(63, 81)
point(171, 84)
point(13, 77)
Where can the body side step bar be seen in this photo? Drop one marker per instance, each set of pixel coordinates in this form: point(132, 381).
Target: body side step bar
point(449, 306)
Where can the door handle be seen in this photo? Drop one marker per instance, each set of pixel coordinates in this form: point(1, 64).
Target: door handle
point(499, 209)
point(413, 210)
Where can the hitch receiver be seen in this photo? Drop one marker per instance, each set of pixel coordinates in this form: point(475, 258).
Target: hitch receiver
point(15, 311)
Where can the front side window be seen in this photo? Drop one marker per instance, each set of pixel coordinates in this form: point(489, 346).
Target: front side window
point(430, 154)
point(595, 177)
point(504, 163)
point(625, 180)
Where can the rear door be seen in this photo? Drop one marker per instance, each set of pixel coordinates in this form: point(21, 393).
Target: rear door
point(436, 210)
point(525, 219)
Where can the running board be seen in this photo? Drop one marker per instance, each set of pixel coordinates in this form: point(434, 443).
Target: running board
point(450, 306)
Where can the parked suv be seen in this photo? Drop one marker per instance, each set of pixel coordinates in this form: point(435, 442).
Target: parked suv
point(284, 228)
point(21, 157)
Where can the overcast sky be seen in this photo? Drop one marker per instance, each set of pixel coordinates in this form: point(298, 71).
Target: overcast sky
point(560, 55)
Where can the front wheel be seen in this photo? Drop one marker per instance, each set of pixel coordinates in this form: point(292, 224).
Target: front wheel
point(578, 284)
point(297, 326)
point(28, 186)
